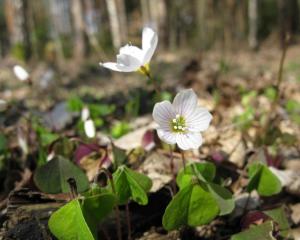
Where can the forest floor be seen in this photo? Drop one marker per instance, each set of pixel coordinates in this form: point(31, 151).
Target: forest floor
point(221, 81)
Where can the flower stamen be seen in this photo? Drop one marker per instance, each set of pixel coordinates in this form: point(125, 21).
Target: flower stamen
point(178, 124)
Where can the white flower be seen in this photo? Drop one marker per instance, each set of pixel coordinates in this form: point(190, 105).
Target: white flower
point(181, 121)
point(21, 73)
point(85, 113)
point(89, 128)
point(132, 58)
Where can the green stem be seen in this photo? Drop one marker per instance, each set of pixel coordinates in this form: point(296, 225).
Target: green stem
point(117, 211)
point(172, 168)
point(152, 80)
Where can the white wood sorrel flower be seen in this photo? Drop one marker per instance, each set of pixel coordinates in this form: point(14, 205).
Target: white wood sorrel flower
point(21, 73)
point(132, 58)
point(89, 128)
point(182, 121)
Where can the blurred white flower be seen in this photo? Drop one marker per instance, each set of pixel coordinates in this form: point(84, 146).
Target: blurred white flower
point(3, 105)
point(132, 58)
point(89, 128)
point(22, 140)
point(85, 113)
point(182, 121)
point(21, 73)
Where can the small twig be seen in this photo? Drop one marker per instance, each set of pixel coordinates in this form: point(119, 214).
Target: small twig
point(128, 221)
point(277, 84)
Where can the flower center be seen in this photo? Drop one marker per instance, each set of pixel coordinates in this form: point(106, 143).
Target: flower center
point(178, 124)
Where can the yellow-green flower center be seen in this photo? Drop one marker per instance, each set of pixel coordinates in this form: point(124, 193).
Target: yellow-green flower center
point(178, 124)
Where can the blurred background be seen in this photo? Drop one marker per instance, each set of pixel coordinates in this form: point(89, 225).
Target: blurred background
point(221, 48)
point(242, 58)
point(59, 31)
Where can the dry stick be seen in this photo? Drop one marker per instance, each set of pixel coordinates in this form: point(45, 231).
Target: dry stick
point(172, 170)
point(277, 84)
point(109, 176)
point(128, 221)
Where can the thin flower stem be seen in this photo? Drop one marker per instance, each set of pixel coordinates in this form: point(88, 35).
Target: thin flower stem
point(148, 74)
point(128, 221)
point(183, 159)
point(172, 168)
point(73, 188)
point(117, 211)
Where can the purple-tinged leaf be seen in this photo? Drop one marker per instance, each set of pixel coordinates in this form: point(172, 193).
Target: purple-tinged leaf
point(148, 142)
point(254, 218)
point(85, 150)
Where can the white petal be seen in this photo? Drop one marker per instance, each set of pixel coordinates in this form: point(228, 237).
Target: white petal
point(185, 102)
point(117, 67)
point(149, 43)
point(188, 141)
point(89, 128)
point(20, 73)
point(166, 136)
point(129, 61)
point(163, 113)
point(85, 113)
point(132, 51)
point(199, 120)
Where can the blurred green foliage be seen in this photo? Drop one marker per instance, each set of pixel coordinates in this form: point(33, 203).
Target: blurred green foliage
point(119, 129)
point(18, 51)
point(293, 109)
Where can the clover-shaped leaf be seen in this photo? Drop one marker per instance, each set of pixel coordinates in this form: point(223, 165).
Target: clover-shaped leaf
point(97, 207)
point(193, 205)
point(274, 220)
point(263, 180)
point(79, 220)
point(279, 216)
point(68, 223)
point(206, 171)
point(52, 177)
point(262, 232)
point(199, 199)
point(131, 185)
point(223, 197)
point(119, 156)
